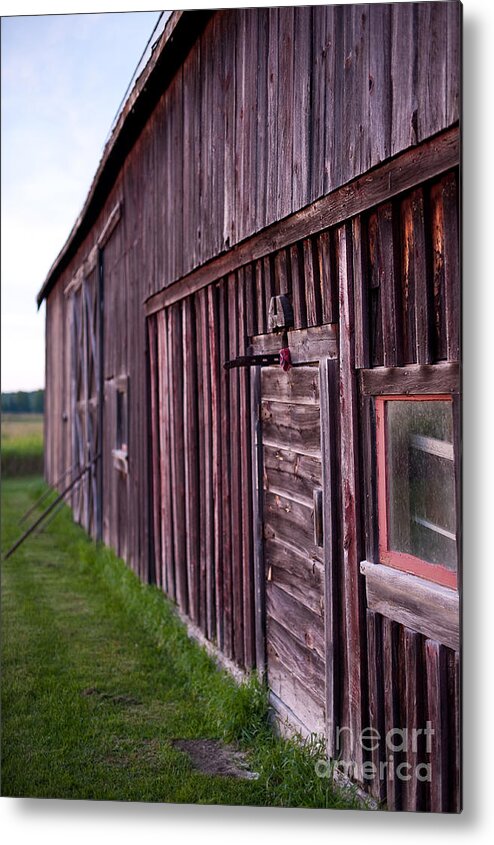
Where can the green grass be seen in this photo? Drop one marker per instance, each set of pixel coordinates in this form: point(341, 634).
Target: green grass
point(22, 445)
point(99, 676)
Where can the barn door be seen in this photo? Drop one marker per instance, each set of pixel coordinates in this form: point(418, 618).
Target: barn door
point(295, 493)
point(85, 400)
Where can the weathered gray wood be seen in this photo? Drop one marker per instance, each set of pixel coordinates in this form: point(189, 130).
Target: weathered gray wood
point(425, 607)
point(376, 750)
point(293, 701)
point(305, 345)
point(416, 378)
point(392, 720)
point(429, 159)
point(300, 385)
point(435, 655)
point(298, 660)
point(303, 624)
point(257, 507)
point(349, 496)
point(413, 788)
point(294, 426)
point(329, 415)
point(291, 523)
point(296, 573)
point(290, 473)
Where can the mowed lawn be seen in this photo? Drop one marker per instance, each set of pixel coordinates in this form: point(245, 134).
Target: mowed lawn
point(99, 679)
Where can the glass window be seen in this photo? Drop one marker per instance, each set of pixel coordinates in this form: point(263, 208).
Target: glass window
point(416, 478)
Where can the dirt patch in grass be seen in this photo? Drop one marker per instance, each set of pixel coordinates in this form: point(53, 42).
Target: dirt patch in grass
point(212, 757)
point(123, 700)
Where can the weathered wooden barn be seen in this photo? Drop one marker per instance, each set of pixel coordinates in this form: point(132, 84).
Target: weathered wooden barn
point(284, 178)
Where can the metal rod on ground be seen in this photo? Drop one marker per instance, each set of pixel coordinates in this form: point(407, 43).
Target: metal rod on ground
point(45, 494)
point(49, 509)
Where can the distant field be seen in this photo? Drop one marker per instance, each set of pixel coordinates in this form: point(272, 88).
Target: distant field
point(22, 444)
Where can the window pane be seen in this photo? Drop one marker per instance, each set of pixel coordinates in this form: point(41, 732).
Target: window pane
point(420, 480)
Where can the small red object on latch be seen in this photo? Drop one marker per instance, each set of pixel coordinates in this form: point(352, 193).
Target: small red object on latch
point(285, 359)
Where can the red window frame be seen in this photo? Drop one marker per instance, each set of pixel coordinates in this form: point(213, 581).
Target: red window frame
point(403, 560)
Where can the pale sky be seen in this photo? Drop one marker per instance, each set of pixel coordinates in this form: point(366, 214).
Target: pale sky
point(63, 78)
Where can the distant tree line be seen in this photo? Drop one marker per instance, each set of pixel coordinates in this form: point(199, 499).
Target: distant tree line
point(23, 402)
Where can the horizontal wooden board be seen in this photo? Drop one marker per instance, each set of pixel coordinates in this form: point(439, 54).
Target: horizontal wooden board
point(292, 426)
point(415, 378)
point(290, 522)
point(295, 696)
point(296, 574)
point(297, 660)
point(291, 474)
point(422, 606)
point(303, 624)
point(299, 385)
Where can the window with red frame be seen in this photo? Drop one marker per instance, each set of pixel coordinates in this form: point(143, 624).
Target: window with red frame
point(416, 486)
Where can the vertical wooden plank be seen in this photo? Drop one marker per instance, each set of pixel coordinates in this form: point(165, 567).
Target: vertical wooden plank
point(175, 353)
point(361, 72)
point(301, 105)
point(328, 376)
point(208, 468)
point(368, 428)
point(457, 710)
point(235, 475)
point(453, 62)
point(155, 453)
point(432, 27)
point(257, 504)
point(436, 701)
point(272, 116)
point(452, 292)
point(404, 58)
point(380, 82)
point(167, 544)
point(312, 285)
point(250, 300)
point(245, 484)
point(298, 288)
point(389, 283)
point(262, 119)
point(269, 284)
point(260, 299)
point(229, 48)
point(335, 106)
point(225, 354)
point(391, 711)
point(413, 791)
point(326, 278)
point(190, 457)
point(439, 350)
point(318, 100)
point(285, 112)
point(374, 292)
point(201, 341)
point(374, 744)
point(408, 294)
point(282, 276)
point(350, 498)
point(218, 479)
point(415, 282)
point(242, 113)
point(360, 295)
point(211, 107)
point(251, 83)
